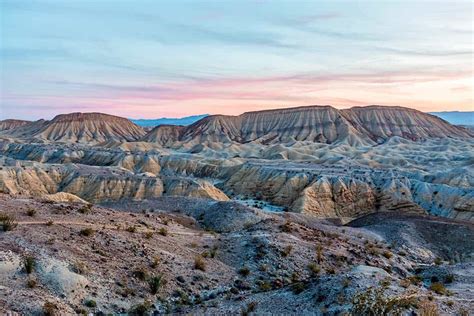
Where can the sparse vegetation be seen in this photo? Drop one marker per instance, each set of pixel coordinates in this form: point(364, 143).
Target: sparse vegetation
point(50, 309)
point(319, 253)
point(31, 212)
point(387, 254)
point(90, 303)
point(31, 283)
point(286, 227)
point(287, 250)
point(438, 288)
point(79, 267)
point(427, 308)
point(87, 232)
point(163, 231)
point(249, 309)
point(373, 301)
point(7, 222)
point(244, 271)
point(314, 268)
point(199, 263)
point(49, 223)
point(140, 274)
point(29, 264)
point(85, 209)
point(148, 234)
point(131, 229)
point(155, 283)
point(140, 309)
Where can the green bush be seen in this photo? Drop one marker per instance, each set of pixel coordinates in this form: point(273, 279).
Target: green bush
point(29, 264)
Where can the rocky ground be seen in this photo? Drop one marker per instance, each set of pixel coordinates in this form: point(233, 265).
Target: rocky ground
point(161, 257)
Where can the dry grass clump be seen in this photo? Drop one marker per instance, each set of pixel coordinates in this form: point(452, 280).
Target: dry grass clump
point(287, 250)
point(7, 222)
point(314, 268)
point(427, 308)
point(199, 263)
point(131, 229)
point(373, 301)
point(155, 283)
point(86, 232)
point(163, 231)
point(438, 288)
point(50, 309)
point(29, 264)
point(249, 309)
point(31, 212)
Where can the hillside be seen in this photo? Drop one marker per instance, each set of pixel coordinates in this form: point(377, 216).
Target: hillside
point(318, 124)
point(81, 128)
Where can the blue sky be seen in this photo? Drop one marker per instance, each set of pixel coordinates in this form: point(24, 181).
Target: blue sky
point(174, 58)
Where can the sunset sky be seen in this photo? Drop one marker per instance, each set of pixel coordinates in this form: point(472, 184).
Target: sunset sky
point(148, 59)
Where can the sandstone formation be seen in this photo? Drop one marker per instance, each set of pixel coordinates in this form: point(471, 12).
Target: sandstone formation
point(11, 124)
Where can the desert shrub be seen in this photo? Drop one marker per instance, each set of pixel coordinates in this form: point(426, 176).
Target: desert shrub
point(90, 303)
point(142, 309)
point(244, 271)
point(314, 268)
point(346, 282)
point(331, 270)
point(387, 254)
point(438, 261)
point(319, 253)
point(373, 301)
point(29, 264)
point(163, 231)
point(148, 235)
point(438, 288)
point(299, 287)
point(286, 227)
point(155, 262)
point(50, 309)
point(140, 274)
point(264, 285)
point(213, 252)
point(249, 309)
point(463, 312)
point(79, 267)
point(7, 222)
point(31, 283)
point(199, 263)
point(449, 278)
point(131, 229)
point(87, 232)
point(415, 279)
point(49, 223)
point(427, 308)
point(287, 250)
point(85, 209)
point(31, 212)
point(155, 283)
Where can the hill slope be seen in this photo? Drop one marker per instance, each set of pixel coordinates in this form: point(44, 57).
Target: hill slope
point(319, 124)
point(81, 128)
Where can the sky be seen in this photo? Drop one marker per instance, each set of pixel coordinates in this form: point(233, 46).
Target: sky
point(149, 59)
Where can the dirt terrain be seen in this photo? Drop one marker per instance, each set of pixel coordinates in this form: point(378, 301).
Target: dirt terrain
point(103, 259)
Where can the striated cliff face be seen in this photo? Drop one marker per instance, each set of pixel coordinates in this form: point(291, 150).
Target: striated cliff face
point(11, 124)
point(382, 122)
point(81, 128)
point(318, 124)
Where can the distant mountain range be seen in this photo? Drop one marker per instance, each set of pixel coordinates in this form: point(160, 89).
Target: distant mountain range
point(456, 117)
point(453, 117)
point(183, 121)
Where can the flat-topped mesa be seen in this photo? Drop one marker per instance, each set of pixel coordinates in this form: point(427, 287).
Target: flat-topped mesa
point(11, 124)
point(90, 128)
point(382, 122)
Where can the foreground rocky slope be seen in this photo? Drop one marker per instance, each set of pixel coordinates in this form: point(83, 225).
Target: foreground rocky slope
point(178, 255)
